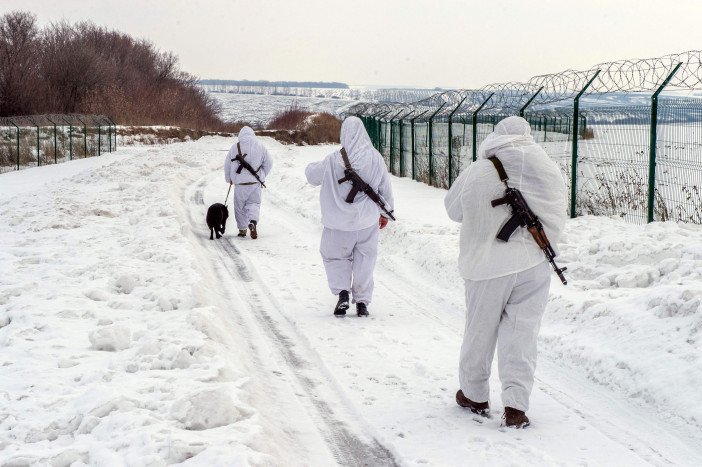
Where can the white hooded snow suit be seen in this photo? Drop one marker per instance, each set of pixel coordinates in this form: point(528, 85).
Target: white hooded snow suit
point(507, 283)
point(349, 244)
point(247, 190)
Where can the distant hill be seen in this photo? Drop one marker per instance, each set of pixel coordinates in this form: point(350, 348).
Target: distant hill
point(295, 84)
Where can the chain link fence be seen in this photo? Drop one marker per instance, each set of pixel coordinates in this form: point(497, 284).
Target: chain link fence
point(31, 141)
point(640, 160)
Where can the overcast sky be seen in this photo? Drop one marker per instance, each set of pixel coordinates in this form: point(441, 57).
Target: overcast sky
point(423, 43)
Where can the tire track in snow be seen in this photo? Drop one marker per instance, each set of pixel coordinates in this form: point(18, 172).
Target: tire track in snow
point(342, 432)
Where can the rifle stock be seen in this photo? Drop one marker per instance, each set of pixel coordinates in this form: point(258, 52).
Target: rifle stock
point(522, 215)
point(359, 185)
point(245, 165)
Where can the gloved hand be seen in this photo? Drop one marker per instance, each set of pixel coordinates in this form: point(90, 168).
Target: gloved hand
point(383, 221)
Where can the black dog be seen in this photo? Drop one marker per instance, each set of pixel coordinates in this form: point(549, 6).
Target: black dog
point(217, 216)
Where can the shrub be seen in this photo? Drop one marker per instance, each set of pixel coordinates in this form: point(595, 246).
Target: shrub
point(296, 125)
point(587, 133)
point(323, 128)
point(292, 118)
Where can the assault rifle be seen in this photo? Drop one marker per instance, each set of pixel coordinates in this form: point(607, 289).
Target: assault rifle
point(522, 215)
point(245, 165)
point(359, 185)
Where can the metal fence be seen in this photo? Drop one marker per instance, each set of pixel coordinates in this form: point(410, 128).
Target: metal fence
point(31, 141)
point(641, 160)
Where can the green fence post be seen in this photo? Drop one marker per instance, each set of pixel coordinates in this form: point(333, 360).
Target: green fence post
point(371, 132)
point(475, 127)
point(521, 111)
point(55, 143)
point(38, 151)
point(114, 132)
point(392, 132)
point(431, 150)
point(654, 138)
point(545, 126)
point(391, 148)
point(70, 139)
point(414, 151)
point(99, 138)
point(18, 144)
point(378, 124)
point(376, 131)
point(450, 137)
point(109, 135)
point(402, 152)
point(382, 131)
point(85, 137)
point(574, 169)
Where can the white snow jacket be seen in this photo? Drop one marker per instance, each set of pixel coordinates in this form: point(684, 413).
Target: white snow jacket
point(256, 155)
point(368, 164)
point(482, 255)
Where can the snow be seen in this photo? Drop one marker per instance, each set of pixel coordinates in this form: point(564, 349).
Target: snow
point(259, 110)
point(127, 337)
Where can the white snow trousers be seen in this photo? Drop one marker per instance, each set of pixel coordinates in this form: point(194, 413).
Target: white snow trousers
point(247, 204)
point(349, 259)
point(505, 311)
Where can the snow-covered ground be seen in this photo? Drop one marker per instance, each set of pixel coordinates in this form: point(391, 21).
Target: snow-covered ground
point(127, 337)
point(259, 110)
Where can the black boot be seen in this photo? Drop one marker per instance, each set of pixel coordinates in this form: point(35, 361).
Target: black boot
point(361, 309)
point(343, 304)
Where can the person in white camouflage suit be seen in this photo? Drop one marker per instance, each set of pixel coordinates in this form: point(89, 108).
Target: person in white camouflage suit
point(247, 188)
point(506, 283)
point(349, 245)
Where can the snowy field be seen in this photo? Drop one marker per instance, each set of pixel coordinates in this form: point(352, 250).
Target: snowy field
point(129, 338)
point(259, 110)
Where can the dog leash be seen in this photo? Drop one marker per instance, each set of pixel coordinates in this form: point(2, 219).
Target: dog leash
point(225, 199)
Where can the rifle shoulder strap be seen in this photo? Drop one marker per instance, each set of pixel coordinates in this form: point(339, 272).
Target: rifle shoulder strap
point(515, 220)
point(354, 187)
point(345, 157)
point(239, 157)
point(500, 169)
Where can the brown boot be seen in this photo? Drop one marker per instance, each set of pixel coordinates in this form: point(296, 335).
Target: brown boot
point(242, 233)
point(481, 408)
point(515, 418)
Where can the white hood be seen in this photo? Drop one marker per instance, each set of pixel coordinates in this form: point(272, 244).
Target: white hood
point(368, 164)
point(364, 159)
point(246, 137)
point(510, 132)
point(256, 155)
point(531, 171)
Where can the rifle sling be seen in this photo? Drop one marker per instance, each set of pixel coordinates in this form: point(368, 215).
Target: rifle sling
point(345, 157)
point(514, 222)
point(354, 188)
point(500, 169)
point(241, 166)
point(240, 159)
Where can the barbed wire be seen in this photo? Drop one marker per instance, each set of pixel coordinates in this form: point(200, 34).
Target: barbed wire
point(623, 76)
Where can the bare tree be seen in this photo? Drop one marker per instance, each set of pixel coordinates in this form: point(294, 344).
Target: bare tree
point(18, 63)
point(84, 68)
